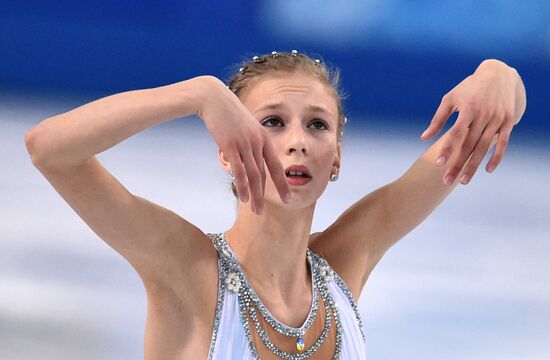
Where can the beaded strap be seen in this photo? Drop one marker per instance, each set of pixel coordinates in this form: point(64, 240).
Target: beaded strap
point(219, 308)
point(345, 289)
point(353, 303)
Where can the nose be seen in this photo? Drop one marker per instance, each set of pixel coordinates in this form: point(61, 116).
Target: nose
point(296, 138)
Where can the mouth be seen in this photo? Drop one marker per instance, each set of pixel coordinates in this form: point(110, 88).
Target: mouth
point(298, 180)
point(298, 175)
point(298, 171)
point(290, 174)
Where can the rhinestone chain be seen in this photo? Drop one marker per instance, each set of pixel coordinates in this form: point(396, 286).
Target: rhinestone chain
point(236, 281)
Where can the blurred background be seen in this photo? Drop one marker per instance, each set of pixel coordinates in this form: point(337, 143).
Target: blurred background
point(471, 282)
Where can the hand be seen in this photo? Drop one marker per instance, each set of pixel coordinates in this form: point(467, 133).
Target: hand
point(244, 141)
point(490, 102)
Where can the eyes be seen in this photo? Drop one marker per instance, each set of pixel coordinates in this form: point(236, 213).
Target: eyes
point(273, 119)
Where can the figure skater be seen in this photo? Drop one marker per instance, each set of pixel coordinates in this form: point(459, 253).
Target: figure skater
point(266, 288)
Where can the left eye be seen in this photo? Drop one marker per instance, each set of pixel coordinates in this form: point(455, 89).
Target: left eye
point(324, 126)
point(271, 120)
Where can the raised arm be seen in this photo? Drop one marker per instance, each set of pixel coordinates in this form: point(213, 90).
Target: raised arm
point(63, 148)
point(153, 239)
point(490, 101)
point(78, 135)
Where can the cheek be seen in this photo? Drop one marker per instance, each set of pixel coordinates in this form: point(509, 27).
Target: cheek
point(328, 155)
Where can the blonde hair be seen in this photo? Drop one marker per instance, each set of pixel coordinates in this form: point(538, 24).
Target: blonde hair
point(280, 62)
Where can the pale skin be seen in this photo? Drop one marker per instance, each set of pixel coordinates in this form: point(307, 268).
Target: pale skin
point(176, 260)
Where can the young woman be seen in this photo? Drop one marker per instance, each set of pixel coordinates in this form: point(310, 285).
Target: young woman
point(266, 288)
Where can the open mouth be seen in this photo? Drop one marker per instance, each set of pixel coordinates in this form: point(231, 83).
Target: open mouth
point(298, 174)
point(298, 177)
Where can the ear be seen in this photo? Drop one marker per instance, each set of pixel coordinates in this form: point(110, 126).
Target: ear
point(338, 156)
point(223, 161)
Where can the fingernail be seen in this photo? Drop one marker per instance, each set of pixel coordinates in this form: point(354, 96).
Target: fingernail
point(464, 179)
point(441, 161)
point(449, 180)
point(491, 168)
point(424, 134)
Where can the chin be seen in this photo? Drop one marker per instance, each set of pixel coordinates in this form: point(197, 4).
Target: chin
point(298, 201)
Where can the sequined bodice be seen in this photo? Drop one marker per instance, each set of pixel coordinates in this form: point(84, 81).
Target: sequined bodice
point(240, 312)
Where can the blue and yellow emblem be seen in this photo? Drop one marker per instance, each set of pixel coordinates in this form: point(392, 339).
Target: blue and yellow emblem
point(300, 344)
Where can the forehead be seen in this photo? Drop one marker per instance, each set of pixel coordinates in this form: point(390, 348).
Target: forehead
point(296, 89)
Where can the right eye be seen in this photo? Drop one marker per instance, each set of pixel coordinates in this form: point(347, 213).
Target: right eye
point(271, 120)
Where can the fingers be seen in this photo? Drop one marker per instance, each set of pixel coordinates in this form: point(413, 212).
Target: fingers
point(254, 180)
point(455, 137)
point(502, 144)
point(276, 171)
point(241, 182)
point(479, 140)
point(250, 179)
point(478, 145)
point(479, 153)
point(441, 116)
point(258, 157)
point(468, 144)
point(248, 168)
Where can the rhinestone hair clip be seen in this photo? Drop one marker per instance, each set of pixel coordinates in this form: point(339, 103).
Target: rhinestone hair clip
point(274, 55)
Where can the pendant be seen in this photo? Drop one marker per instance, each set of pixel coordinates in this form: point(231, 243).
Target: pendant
point(300, 344)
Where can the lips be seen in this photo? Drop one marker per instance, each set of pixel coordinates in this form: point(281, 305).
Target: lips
point(305, 173)
point(300, 174)
point(298, 180)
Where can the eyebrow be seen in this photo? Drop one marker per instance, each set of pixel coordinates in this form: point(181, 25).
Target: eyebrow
point(314, 108)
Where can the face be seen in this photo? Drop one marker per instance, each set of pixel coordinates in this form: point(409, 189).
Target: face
point(299, 114)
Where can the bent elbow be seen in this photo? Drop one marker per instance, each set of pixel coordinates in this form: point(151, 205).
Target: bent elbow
point(30, 144)
point(33, 138)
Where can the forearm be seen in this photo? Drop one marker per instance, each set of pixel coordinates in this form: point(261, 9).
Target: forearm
point(77, 135)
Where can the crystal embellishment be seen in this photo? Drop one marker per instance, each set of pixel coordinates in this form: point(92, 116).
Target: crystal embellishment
point(325, 271)
point(233, 283)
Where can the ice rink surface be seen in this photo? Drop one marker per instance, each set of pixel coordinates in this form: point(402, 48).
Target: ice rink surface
point(471, 282)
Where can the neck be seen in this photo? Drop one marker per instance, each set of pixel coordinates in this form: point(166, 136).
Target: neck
point(272, 249)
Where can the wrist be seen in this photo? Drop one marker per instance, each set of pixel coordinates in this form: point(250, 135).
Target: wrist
point(521, 99)
point(190, 95)
point(510, 76)
point(202, 89)
point(494, 65)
